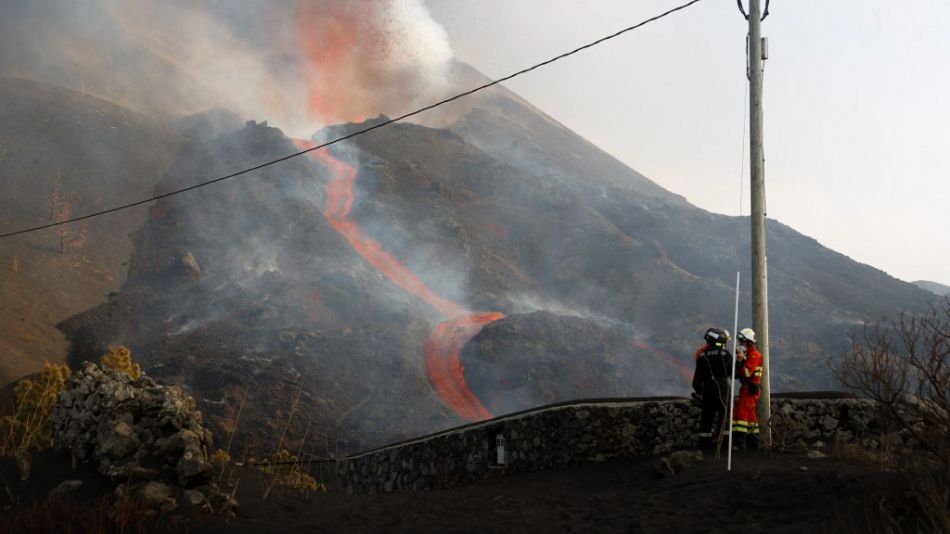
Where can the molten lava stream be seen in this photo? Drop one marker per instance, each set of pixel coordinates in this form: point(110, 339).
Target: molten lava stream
point(444, 362)
point(443, 349)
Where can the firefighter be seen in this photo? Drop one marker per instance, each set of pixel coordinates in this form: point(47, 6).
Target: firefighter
point(745, 422)
point(710, 383)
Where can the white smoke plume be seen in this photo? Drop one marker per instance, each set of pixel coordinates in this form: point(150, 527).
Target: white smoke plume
point(300, 64)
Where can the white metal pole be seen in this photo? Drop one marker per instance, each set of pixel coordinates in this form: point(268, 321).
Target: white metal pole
point(732, 387)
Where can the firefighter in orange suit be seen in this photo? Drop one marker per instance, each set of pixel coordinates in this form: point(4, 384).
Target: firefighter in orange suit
point(745, 422)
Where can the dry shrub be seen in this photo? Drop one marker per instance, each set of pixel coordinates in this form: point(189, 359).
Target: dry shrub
point(220, 458)
point(121, 358)
point(905, 367)
point(288, 471)
point(29, 428)
point(884, 458)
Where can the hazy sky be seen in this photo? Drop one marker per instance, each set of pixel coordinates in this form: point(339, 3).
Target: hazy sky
point(857, 112)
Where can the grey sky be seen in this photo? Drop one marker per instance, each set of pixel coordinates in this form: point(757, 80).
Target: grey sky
point(857, 119)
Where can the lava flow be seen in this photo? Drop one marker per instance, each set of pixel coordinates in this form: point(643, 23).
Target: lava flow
point(443, 349)
point(444, 362)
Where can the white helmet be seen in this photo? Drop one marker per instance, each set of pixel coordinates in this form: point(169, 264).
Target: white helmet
point(746, 334)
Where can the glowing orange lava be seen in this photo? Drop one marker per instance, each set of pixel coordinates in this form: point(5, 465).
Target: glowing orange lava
point(329, 46)
point(339, 203)
point(444, 346)
point(443, 349)
point(444, 362)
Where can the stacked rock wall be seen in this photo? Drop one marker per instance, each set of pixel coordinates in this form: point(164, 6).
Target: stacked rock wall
point(583, 432)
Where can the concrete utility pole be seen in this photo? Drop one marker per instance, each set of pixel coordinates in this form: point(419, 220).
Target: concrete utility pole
point(760, 299)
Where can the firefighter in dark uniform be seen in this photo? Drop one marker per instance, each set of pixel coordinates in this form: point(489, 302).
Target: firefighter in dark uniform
point(710, 384)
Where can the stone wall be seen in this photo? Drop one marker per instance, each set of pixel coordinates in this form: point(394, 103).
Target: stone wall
point(584, 432)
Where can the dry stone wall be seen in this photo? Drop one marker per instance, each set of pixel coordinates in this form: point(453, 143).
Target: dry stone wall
point(585, 432)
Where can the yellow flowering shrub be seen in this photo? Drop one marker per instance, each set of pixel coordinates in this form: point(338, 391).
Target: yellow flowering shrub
point(121, 358)
point(289, 473)
point(30, 428)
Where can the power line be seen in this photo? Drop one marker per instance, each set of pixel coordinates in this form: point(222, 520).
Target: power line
point(357, 132)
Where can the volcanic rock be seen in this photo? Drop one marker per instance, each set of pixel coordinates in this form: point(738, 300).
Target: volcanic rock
point(65, 488)
point(132, 427)
point(155, 494)
point(529, 360)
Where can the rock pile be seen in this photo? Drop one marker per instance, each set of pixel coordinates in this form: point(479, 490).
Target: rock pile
point(148, 435)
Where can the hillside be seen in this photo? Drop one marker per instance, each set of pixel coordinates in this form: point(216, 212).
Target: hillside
point(416, 277)
point(64, 154)
point(933, 287)
point(266, 292)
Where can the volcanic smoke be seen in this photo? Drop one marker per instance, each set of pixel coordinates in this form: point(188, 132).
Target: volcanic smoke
point(443, 348)
point(351, 50)
point(366, 58)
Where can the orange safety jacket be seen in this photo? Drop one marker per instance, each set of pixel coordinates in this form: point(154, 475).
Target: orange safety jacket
point(744, 418)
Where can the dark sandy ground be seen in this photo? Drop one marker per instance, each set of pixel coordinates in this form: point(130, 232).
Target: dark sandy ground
point(765, 492)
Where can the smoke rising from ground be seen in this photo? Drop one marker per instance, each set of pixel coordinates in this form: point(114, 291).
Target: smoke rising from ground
point(297, 64)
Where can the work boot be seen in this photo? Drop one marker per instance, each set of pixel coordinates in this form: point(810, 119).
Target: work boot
point(739, 441)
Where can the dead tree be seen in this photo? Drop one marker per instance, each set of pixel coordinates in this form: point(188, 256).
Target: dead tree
point(904, 365)
point(60, 207)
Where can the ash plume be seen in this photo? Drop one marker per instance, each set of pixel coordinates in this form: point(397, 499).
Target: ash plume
point(298, 64)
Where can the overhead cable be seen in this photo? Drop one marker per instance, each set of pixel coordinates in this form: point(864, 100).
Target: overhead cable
point(355, 133)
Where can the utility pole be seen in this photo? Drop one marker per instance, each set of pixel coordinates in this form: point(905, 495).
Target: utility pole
point(760, 299)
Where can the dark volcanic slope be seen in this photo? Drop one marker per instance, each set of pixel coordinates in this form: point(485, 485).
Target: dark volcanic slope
point(244, 288)
point(816, 294)
point(582, 247)
point(502, 124)
point(245, 295)
point(542, 358)
point(512, 130)
point(934, 287)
